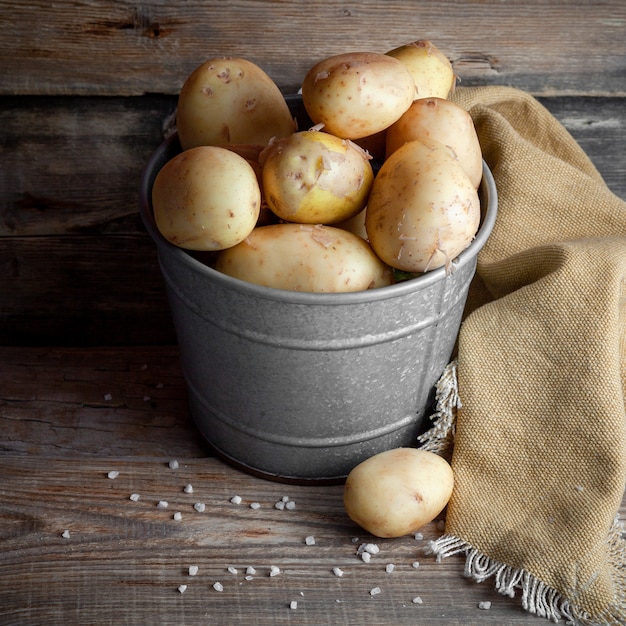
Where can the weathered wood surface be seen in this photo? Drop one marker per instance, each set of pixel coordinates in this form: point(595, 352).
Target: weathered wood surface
point(70, 416)
point(130, 48)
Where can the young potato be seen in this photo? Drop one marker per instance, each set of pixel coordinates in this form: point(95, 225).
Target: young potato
point(423, 210)
point(357, 94)
point(396, 492)
point(206, 198)
point(430, 68)
point(231, 101)
point(444, 121)
point(312, 177)
point(300, 257)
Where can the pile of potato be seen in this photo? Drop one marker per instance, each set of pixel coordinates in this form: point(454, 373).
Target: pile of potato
point(304, 209)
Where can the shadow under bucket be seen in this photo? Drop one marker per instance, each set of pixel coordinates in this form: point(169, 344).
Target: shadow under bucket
point(301, 387)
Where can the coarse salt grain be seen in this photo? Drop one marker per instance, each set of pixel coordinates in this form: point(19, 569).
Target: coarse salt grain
point(293, 604)
point(310, 540)
point(178, 516)
point(290, 506)
point(255, 505)
point(389, 568)
point(419, 536)
point(218, 586)
point(285, 498)
point(485, 605)
point(200, 507)
point(236, 500)
point(113, 474)
point(366, 557)
point(173, 464)
point(188, 489)
point(280, 505)
point(375, 591)
point(182, 588)
point(274, 570)
point(250, 571)
point(371, 548)
point(417, 600)
point(231, 570)
point(193, 570)
point(65, 534)
point(134, 497)
point(415, 564)
point(162, 504)
point(108, 397)
point(337, 572)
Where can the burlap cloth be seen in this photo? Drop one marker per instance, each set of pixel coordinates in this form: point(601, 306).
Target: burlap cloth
point(539, 448)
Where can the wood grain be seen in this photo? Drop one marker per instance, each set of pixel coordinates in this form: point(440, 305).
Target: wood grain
point(129, 48)
point(124, 561)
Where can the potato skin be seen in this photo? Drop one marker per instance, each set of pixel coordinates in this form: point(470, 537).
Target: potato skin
point(437, 119)
point(357, 94)
point(206, 198)
point(396, 492)
point(431, 70)
point(300, 257)
point(423, 210)
point(312, 177)
point(231, 101)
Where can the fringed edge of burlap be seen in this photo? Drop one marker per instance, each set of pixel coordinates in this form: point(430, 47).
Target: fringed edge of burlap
point(537, 597)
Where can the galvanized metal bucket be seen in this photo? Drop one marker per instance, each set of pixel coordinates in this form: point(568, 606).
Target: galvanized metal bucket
point(301, 387)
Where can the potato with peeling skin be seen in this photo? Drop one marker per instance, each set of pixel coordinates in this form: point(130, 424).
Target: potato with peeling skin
point(430, 68)
point(423, 210)
point(301, 257)
point(231, 101)
point(357, 94)
point(312, 177)
point(206, 198)
point(396, 492)
point(437, 119)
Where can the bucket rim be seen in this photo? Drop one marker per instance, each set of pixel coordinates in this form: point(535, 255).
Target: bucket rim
point(167, 149)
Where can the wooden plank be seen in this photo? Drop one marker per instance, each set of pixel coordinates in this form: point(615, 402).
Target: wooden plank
point(123, 561)
point(76, 163)
point(122, 48)
point(126, 401)
point(82, 290)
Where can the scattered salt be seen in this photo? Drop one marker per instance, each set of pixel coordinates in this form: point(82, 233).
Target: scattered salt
point(173, 464)
point(182, 588)
point(188, 489)
point(371, 548)
point(310, 540)
point(108, 397)
point(200, 507)
point(113, 474)
point(285, 498)
point(231, 570)
point(417, 600)
point(178, 516)
point(337, 572)
point(419, 536)
point(65, 534)
point(274, 570)
point(193, 570)
point(415, 564)
point(290, 506)
point(293, 605)
point(485, 605)
point(236, 500)
point(255, 505)
point(366, 557)
point(250, 570)
point(375, 591)
point(389, 568)
point(218, 586)
point(280, 505)
point(162, 504)
point(134, 497)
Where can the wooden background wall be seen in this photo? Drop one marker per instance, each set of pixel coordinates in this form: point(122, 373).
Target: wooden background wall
point(85, 87)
